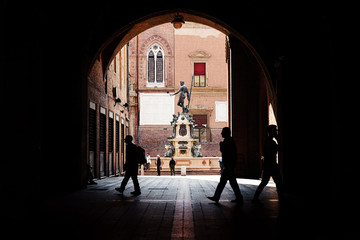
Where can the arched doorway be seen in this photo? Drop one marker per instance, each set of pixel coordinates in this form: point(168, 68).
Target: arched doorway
point(250, 89)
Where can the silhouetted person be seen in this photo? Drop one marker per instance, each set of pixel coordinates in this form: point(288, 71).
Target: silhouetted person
point(158, 164)
point(148, 161)
point(131, 167)
point(90, 176)
point(270, 167)
point(229, 154)
point(172, 164)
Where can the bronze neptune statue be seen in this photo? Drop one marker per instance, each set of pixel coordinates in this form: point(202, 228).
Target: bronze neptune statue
point(182, 90)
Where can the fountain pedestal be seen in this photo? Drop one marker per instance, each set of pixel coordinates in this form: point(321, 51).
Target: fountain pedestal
point(183, 143)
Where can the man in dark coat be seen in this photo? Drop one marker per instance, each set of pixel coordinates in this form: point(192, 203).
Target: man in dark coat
point(131, 167)
point(229, 154)
point(158, 164)
point(172, 164)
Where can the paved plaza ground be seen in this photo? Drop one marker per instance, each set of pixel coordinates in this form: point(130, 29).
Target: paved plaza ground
point(170, 207)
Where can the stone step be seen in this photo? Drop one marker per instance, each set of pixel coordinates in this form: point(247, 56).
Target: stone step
point(178, 172)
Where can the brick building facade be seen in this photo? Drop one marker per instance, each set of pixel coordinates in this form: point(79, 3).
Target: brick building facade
point(161, 57)
point(108, 117)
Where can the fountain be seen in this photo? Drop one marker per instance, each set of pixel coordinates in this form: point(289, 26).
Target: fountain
point(182, 143)
point(183, 146)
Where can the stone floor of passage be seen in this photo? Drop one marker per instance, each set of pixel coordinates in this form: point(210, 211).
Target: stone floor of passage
point(170, 207)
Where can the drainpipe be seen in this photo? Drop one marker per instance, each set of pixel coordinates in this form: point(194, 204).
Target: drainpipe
point(137, 89)
point(128, 78)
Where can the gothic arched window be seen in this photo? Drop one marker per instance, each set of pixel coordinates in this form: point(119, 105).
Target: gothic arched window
point(155, 66)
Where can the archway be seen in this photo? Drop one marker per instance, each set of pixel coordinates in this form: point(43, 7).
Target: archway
point(250, 88)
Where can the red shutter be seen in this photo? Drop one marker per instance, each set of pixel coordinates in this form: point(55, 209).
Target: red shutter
point(199, 69)
point(200, 120)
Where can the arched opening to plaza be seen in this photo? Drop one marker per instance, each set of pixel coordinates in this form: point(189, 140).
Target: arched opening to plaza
point(240, 98)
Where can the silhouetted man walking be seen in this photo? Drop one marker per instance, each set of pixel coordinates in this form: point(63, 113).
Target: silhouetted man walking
point(131, 167)
point(229, 154)
point(270, 167)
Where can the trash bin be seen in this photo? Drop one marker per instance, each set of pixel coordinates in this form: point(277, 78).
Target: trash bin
point(183, 171)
